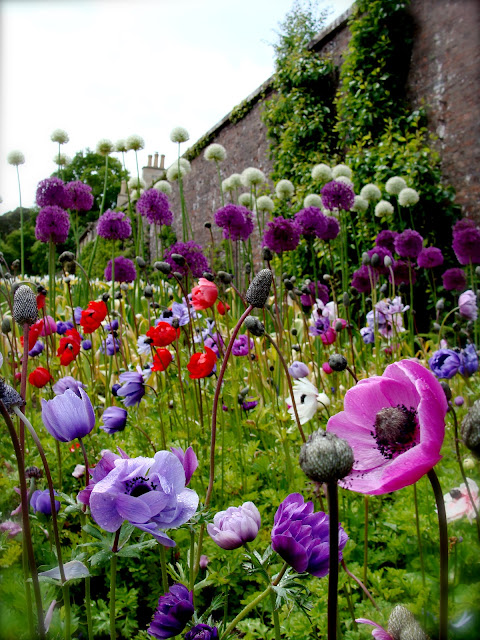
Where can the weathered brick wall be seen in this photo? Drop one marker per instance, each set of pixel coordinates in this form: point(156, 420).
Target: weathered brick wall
point(444, 78)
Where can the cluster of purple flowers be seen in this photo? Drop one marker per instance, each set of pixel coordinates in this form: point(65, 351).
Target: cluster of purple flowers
point(52, 192)
point(236, 222)
point(281, 234)
point(52, 224)
point(114, 225)
point(312, 222)
point(466, 242)
point(125, 270)
point(319, 291)
point(155, 207)
point(81, 195)
point(446, 363)
point(337, 195)
point(195, 261)
point(242, 345)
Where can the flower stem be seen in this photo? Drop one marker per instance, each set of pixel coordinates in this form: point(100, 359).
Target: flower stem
point(419, 538)
point(442, 526)
point(332, 493)
point(163, 566)
point(113, 584)
point(360, 584)
point(365, 541)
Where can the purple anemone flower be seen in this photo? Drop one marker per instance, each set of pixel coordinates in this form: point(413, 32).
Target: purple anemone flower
point(236, 222)
point(408, 244)
point(188, 460)
point(114, 419)
point(281, 234)
point(174, 610)
point(469, 358)
point(67, 382)
point(235, 526)
point(133, 388)
point(155, 207)
point(196, 262)
point(86, 345)
point(445, 363)
point(99, 472)
point(63, 327)
point(202, 632)
point(466, 244)
point(180, 312)
point(429, 258)
point(454, 279)
point(320, 326)
point(301, 537)
point(312, 222)
point(52, 224)
point(68, 416)
point(298, 370)
point(52, 192)
point(337, 195)
point(40, 502)
point(80, 194)
point(242, 345)
point(148, 492)
point(114, 225)
point(110, 345)
point(248, 405)
point(124, 270)
point(37, 349)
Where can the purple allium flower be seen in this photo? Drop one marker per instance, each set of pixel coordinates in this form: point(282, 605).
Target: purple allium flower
point(281, 234)
point(332, 229)
point(402, 273)
point(81, 195)
point(445, 363)
point(382, 253)
point(188, 460)
point(67, 382)
point(408, 244)
point(68, 416)
point(202, 632)
point(466, 244)
point(469, 360)
point(454, 279)
point(99, 472)
point(53, 223)
point(40, 502)
point(242, 345)
point(133, 388)
point(298, 370)
point(52, 192)
point(312, 222)
point(301, 538)
point(148, 492)
point(337, 195)
point(174, 610)
point(467, 302)
point(63, 327)
point(386, 238)
point(429, 258)
point(155, 207)
point(114, 225)
point(235, 220)
point(320, 291)
point(363, 278)
point(248, 405)
point(37, 349)
point(463, 223)
point(235, 526)
point(114, 420)
point(86, 345)
point(320, 326)
point(110, 345)
point(124, 270)
point(194, 258)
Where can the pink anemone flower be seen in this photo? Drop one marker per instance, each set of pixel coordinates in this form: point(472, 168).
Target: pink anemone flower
point(395, 424)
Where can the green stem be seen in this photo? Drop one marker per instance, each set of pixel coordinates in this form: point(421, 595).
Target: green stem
point(113, 585)
point(68, 617)
point(443, 532)
point(163, 565)
point(276, 620)
point(22, 244)
point(419, 537)
point(365, 541)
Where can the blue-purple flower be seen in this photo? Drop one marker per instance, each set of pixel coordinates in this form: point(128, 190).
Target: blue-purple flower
point(37, 349)
point(445, 363)
point(110, 345)
point(337, 195)
point(202, 632)
point(114, 419)
point(188, 460)
point(155, 207)
point(68, 416)
point(235, 526)
point(298, 370)
point(236, 222)
point(242, 345)
point(40, 502)
point(67, 382)
point(133, 387)
point(469, 359)
point(174, 610)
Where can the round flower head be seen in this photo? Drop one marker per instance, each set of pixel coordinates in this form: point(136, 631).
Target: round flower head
point(235, 220)
point(337, 195)
point(52, 192)
point(227, 186)
point(301, 537)
point(242, 346)
point(408, 244)
point(322, 172)
point(379, 263)
point(179, 134)
point(298, 370)
point(311, 221)
point(104, 147)
point(360, 205)
point(114, 225)
point(67, 382)
point(124, 270)
point(68, 416)
point(114, 419)
point(154, 206)
point(467, 303)
point(383, 209)
point(174, 610)
point(265, 204)
point(195, 261)
point(164, 187)
point(173, 172)
point(363, 278)
point(52, 224)
point(134, 142)
point(215, 153)
point(204, 295)
point(445, 363)
point(61, 159)
point(429, 258)
point(281, 234)
point(454, 279)
point(332, 229)
point(313, 200)
point(395, 424)
point(235, 181)
point(394, 185)
point(386, 238)
point(370, 192)
point(408, 197)
point(60, 136)
point(252, 177)
point(284, 189)
point(15, 158)
point(40, 502)
point(245, 200)
point(135, 183)
point(341, 170)
point(80, 194)
point(121, 146)
point(234, 527)
point(466, 244)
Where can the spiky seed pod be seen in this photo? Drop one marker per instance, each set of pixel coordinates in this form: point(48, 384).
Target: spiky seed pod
point(471, 429)
point(446, 389)
point(254, 326)
point(25, 306)
point(10, 397)
point(259, 289)
point(403, 626)
point(325, 457)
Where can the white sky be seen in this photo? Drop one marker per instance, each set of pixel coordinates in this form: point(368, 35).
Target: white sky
point(112, 68)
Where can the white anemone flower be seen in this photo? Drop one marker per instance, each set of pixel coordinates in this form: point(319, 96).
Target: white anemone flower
point(307, 399)
point(143, 345)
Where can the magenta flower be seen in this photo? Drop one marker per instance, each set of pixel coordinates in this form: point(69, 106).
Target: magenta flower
point(337, 195)
point(395, 424)
point(408, 244)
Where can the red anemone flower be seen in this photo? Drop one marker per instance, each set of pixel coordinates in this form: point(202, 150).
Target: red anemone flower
point(223, 307)
point(161, 360)
point(163, 334)
point(41, 297)
point(93, 316)
point(201, 364)
point(204, 294)
point(33, 334)
point(40, 377)
point(69, 347)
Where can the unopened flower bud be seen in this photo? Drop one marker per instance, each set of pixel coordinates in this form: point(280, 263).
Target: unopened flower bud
point(337, 362)
point(288, 284)
point(243, 392)
point(294, 332)
point(346, 299)
point(148, 291)
point(175, 323)
point(178, 275)
point(163, 267)
point(375, 260)
point(365, 258)
point(203, 562)
point(16, 264)
point(459, 401)
point(6, 324)
point(387, 261)
point(259, 289)
point(446, 390)
point(471, 429)
point(402, 625)
point(325, 457)
point(140, 262)
point(440, 306)
point(178, 259)
point(66, 256)
point(267, 255)
point(25, 306)
point(33, 472)
point(326, 277)
point(10, 397)
point(469, 464)
point(296, 347)
point(105, 297)
point(384, 288)
point(477, 271)
point(118, 295)
point(207, 225)
point(338, 326)
point(436, 327)
point(248, 268)
point(254, 326)
point(224, 277)
point(208, 276)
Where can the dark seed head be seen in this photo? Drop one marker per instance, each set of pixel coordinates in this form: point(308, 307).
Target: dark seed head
point(259, 289)
point(25, 306)
point(325, 457)
point(471, 429)
point(337, 362)
point(254, 326)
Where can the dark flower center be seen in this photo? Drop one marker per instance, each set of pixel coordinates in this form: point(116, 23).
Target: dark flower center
point(394, 430)
point(138, 486)
point(456, 494)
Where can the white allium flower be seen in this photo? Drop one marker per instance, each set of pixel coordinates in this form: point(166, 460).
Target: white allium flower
point(370, 192)
point(252, 176)
point(60, 136)
point(121, 145)
point(135, 183)
point(179, 134)
point(215, 153)
point(62, 160)
point(135, 195)
point(235, 180)
point(135, 142)
point(284, 189)
point(105, 147)
point(164, 187)
point(227, 185)
point(185, 164)
point(313, 200)
point(245, 199)
point(383, 209)
point(322, 172)
point(172, 172)
point(265, 204)
point(344, 179)
point(408, 197)
point(307, 399)
point(15, 158)
point(341, 170)
point(394, 185)
point(360, 205)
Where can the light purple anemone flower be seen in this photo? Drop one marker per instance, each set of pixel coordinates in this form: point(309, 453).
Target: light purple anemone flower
point(298, 370)
point(395, 424)
point(242, 345)
point(188, 459)
point(148, 492)
point(235, 526)
point(179, 311)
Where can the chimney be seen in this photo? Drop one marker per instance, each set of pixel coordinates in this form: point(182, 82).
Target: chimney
point(123, 188)
point(149, 159)
point(162, 161)
point(155, 160)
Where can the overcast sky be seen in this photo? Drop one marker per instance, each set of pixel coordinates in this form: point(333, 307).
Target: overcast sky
point(112, 68)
